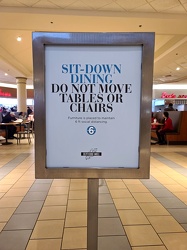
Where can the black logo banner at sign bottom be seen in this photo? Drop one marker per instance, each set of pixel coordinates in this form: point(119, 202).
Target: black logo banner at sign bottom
point(91, 153)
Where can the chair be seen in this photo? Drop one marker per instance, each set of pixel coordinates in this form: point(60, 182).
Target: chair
point(25, 134)
point(32, 128)
point(31, 119)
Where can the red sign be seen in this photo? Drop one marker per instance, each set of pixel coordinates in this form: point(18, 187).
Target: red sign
point(5, 94)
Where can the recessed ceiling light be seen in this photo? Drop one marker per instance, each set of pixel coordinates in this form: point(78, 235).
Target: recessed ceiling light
point(6, 74)
point(178, 68)
point(19, 38)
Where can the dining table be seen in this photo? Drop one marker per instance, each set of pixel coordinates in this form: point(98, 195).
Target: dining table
point(6, 124)
point(157, 124)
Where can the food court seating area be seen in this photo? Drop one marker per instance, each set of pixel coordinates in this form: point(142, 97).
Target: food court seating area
point(24, 130)
point(179, 119)
point(2, 132)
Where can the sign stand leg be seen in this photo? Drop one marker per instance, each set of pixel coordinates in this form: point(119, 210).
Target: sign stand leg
point(92, 214)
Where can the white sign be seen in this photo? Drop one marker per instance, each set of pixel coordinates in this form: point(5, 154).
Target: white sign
point(93, 98)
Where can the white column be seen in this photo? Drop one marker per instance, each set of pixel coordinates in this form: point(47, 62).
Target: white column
point(21, 94)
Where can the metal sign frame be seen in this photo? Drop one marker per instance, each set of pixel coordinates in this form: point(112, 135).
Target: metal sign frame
point(40, 40)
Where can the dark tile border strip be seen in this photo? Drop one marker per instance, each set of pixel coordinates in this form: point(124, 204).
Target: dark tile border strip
point(172, 204)
point(21, 224)
point(111, 234)
point(24, 218)
point(178, 168)
point(8, 167)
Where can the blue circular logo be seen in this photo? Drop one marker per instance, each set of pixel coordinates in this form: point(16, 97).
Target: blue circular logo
point(91, 130)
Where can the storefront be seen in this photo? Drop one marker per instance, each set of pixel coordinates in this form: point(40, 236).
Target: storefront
point(163, 94)
point(8, 97)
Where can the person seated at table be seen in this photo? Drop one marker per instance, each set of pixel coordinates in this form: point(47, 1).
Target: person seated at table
point(9, 117)
point(21, 115)
point(167, 127)
point(153, 120)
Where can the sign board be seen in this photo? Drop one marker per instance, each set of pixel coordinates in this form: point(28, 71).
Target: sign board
point(93, 95)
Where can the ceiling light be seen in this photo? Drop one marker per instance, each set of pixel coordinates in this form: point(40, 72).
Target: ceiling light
point(178, 68)
point(19, 38)
point(6, 74)
point(14, 86)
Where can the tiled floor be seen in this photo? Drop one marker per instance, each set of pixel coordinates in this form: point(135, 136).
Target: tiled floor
point(133, 214)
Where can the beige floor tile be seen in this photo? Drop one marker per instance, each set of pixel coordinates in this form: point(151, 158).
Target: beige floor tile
point(132, 217)
point(79, 181)
point(6, 213)
point(112, 180)
point(165, 224)
point(15, 176)
point(131, 181)
point(74, 238)
point(175, 241)
point(78, 194)
point(183, 182)
point(10, 201)
point(153, 208)
point(2, 226)
point(144, 197)
point(126, 203)
point(14, 192)
point(178, 177)
point(47, 244)
point(18, 171)
point(58, 190)
point(137, 188)
point(116, 185)
point(8, 181)
point(143, 235)
point(48, 229)
point(29, 177)
point(124, 193)
point(23, 167)
point(21, 184)
point(78, 186)
point(150, 248)
point(76, 219)
point(77, 205)
point(52, 213)
point(61, 183)
point(2, 194)
point(58, 200)
point(176, 188)
point(167, 181)
point(4, 187)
